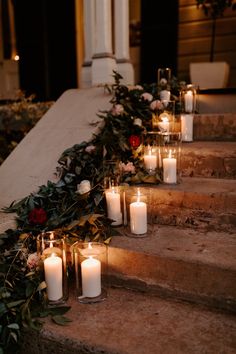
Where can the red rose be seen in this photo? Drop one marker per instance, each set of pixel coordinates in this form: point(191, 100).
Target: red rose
point(37, 216)
point(134, 141)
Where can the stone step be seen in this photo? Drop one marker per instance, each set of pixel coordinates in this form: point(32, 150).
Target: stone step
point(199, 203)
point(215, 127)
point(209, 159)
point(128, 322)
point(178, 262)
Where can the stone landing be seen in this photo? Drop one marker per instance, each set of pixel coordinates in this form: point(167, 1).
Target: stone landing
point(128, 322)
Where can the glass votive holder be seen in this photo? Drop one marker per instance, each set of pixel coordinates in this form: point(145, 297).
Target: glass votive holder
point(139, 215)
point(170, 157)
point(52, 250)
point(114, 205)
point(150, 159)
point(90, 260)
point(188, 98)
point(187, 127)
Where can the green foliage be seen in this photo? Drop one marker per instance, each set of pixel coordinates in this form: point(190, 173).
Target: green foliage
point(61, 206)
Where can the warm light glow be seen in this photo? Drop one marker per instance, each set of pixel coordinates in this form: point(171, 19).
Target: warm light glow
point(16, 57)
point(170, 155)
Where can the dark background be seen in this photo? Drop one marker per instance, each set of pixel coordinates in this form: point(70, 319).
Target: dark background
point(46, 43)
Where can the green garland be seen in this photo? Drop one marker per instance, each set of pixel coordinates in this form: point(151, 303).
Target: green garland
point(61, 205)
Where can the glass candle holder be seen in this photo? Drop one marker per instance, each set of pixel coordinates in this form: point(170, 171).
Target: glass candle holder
point(90, 259)
point(188, 99)
point(170, 157)
point(139, 216)
point(163, 118)
point(51, 249)
point(150, 159)
point(114, 205)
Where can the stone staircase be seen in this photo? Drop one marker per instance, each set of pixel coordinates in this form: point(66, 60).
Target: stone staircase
point(175, 290)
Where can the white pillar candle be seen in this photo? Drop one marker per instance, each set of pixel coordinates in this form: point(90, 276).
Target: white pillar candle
point(187, 127)
point(138, 217)
point(91, 277)
point(113, 206)
point(188, 102)
point(150, 160)
point(169, 169)
point(53, 277)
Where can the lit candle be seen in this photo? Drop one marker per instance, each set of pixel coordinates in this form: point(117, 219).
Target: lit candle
point(53, 277)
point(187, 127)
point(188, 102)
point(150, 160)
point(113, 206)
point(169, 169)
point(164, 125)
point(91, 277)
point(138, 217)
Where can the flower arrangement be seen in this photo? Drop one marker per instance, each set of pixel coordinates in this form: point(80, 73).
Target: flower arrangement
point(74, 205)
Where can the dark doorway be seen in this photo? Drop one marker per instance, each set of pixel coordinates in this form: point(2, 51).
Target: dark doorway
point(45, 35)
point(159, 35)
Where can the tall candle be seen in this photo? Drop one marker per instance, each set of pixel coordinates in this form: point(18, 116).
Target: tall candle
point(150, 160)
point(91, 277)
point(53, 277)
point(113, 206)
point(169, 169)
point(138, 217)
point(188, 102)
point(187, 127)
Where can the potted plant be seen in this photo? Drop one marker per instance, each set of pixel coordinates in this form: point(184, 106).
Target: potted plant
point(212, 74)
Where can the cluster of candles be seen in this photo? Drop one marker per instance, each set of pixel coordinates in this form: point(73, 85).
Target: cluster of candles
point(169, 163)
point(137, 211)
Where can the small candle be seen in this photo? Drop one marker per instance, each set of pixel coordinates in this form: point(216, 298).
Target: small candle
point(53, 277)
point(187, 127)
point(91, 277)
point(150, 160)
point(165, 95)
point(113, 206)
point(138, 217)
point(188, 102)
point(164, 125)
point(169, 169)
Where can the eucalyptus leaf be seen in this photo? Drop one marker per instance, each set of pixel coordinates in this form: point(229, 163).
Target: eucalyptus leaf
point(13, 326)
point(61, 320)
point(15, 303)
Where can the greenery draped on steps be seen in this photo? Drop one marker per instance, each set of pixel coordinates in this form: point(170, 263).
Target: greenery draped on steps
point(63, 205)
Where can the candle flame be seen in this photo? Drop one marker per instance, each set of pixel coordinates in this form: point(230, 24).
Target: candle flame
point(90, 246)
point(138, 195)
point(170, 154)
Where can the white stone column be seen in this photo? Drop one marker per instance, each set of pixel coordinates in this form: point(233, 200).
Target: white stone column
point(121, 18)
point(89, 42)
point(103, 59)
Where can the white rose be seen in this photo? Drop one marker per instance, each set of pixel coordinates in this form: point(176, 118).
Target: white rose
point(84, 187)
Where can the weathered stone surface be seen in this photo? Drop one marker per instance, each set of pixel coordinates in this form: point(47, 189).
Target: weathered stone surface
point(201, 203)
point(34, 160)
point(129, 322)
point(178, 262)
point(209, 159)
point(213, 127)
